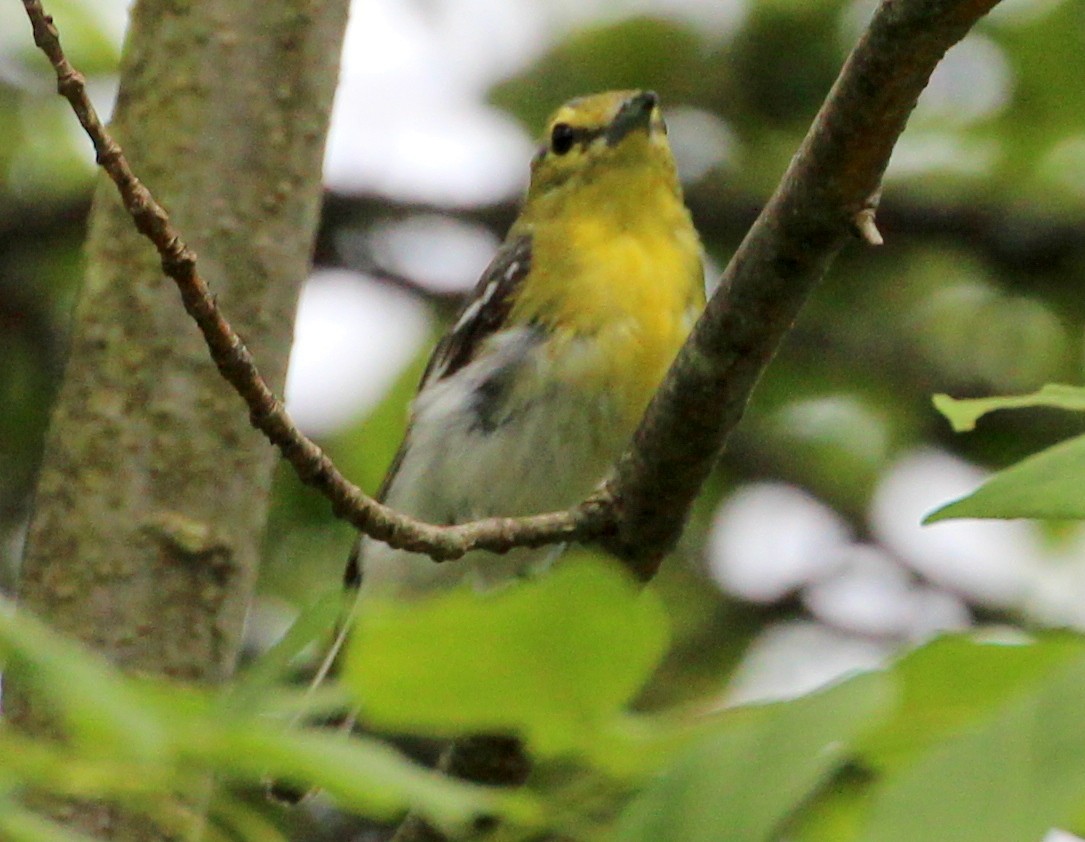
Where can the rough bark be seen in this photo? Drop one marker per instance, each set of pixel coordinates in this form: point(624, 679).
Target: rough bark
point(153, 492)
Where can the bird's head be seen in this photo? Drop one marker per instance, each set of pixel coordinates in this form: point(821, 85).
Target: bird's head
point(601, 136)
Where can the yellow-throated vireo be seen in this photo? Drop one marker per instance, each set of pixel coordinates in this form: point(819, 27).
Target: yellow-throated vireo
point(537, 388)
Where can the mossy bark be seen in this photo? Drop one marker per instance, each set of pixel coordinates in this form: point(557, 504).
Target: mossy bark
point(153, 492)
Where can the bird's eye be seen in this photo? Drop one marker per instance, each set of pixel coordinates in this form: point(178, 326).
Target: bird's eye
point(562, 137)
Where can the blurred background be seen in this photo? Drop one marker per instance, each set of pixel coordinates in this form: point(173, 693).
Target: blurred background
point(805, 557)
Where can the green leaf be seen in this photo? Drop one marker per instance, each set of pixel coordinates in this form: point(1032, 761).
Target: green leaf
point(21, 825)
point(1009, 778)
point(743, 781)
point(947, 688)
point(135, 739)
point(314, 623)
point(1047, 485)
point(242, 821)
point(97, 705)
point(361, 773)
point(553, 660)
point(837, 812)
point(963, 414)
point(953, 681)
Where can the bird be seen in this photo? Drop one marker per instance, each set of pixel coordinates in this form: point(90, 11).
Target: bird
point(535, 391)
point(537, 388)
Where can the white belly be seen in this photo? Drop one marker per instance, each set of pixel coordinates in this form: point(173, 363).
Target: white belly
point(544, 454)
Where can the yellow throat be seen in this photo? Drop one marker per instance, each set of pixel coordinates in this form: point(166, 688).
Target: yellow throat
point(617, 256)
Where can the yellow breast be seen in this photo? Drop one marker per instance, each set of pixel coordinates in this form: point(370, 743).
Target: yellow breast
point(619, 284)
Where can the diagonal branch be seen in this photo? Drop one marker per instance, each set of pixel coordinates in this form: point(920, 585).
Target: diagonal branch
point(824, 198)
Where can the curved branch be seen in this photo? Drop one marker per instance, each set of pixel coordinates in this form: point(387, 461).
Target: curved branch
point(266, 411)
point(825, 197)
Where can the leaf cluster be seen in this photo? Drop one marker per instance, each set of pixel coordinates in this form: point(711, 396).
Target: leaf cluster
point(964, 739)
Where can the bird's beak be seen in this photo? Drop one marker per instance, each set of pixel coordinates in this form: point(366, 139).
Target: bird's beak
point(635, 113)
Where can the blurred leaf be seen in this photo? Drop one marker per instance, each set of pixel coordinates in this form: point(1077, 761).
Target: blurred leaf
point(762, 763)
point(963, 414)
point(361, 773)
point(632, 53)
point(1047, 485)
point(554, 659)
point(67, 771)
point(946, 689)
point(837, 812)
point(954, 681)
point(315, 623)
point(1008, 778)
point(20, 825)
point(242, 821)
point(97, 706)
point(143, 738)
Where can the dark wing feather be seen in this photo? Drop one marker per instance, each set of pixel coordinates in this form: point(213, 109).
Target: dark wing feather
point(482, 315)
point(484, 312)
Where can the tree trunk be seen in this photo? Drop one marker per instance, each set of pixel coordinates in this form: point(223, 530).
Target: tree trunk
point(153, 491)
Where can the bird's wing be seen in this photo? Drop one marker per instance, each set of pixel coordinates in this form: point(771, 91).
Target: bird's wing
point(484, 312)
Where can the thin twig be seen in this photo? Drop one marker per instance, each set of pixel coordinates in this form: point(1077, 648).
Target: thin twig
point(582, 523)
